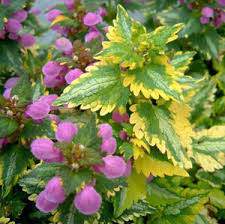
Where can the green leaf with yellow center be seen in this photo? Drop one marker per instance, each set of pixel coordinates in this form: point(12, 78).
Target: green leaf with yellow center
point(100, 88)
point(165, 126)
point(155, 80)
point(127, 39)
point(208, 149)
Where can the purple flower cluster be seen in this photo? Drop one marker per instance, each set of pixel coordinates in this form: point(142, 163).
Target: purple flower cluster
point(13, 25)
point(52, 74)
point(87, 201)
point(39, 109)
point(90, 20)
point(10, 83)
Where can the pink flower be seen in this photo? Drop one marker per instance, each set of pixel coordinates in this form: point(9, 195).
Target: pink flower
point(204, 20)
point(109, 146)
point(54, 81)
point(65, 131)
point(11, 82)
point(102, 12)
point(72, 75)
point(69, 4)
point(53, 117)
point(60, 30)
point(51, 69)
point(49, 99)
point(105, 131)
point(35, 11)
point(91, 19)
point(37, 110)
point(53, 14)
point(221, 3)
point(7, 93)
point(64, 44)
point(44, 205)
point(5, 2)
point(114, 166)
point(54, 191)
point(3, 141)
point(27, 40)
point(13, 36)
point(88, 201)
point(207, 12)
point(123, 135)
point(45, 150)
point(116, 116)
point(149, 178)
point(92, 34)
point(20, 15)
point(127, 171)
point(13, 26)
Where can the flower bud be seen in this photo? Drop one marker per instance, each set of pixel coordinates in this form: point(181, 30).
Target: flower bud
point(53, 117)
point(3, 141)
point(88, 201)
point(102, 11)
point(114, 166)
point(72, 75)
point(44, 205)
point(116, 116)
point(54, 191)
point(109, 146)
point(65, 131)
point(91, 19)
point(7, 93)
point(123, 135)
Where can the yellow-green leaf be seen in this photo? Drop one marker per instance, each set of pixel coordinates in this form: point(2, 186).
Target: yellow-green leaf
point(158, 165)
point(100, 88)
point(165, 126)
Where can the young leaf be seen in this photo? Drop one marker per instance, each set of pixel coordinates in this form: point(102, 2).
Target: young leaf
point(124, 37)
point(13, 163)
point(127, 150)
point(165, 126)
point(7, 126)
point(101, 88)
point(208, 148)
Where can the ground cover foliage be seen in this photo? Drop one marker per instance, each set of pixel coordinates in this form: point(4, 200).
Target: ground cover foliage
point(121, 119)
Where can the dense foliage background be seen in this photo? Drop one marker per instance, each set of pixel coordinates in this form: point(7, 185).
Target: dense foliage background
point(112, 111)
